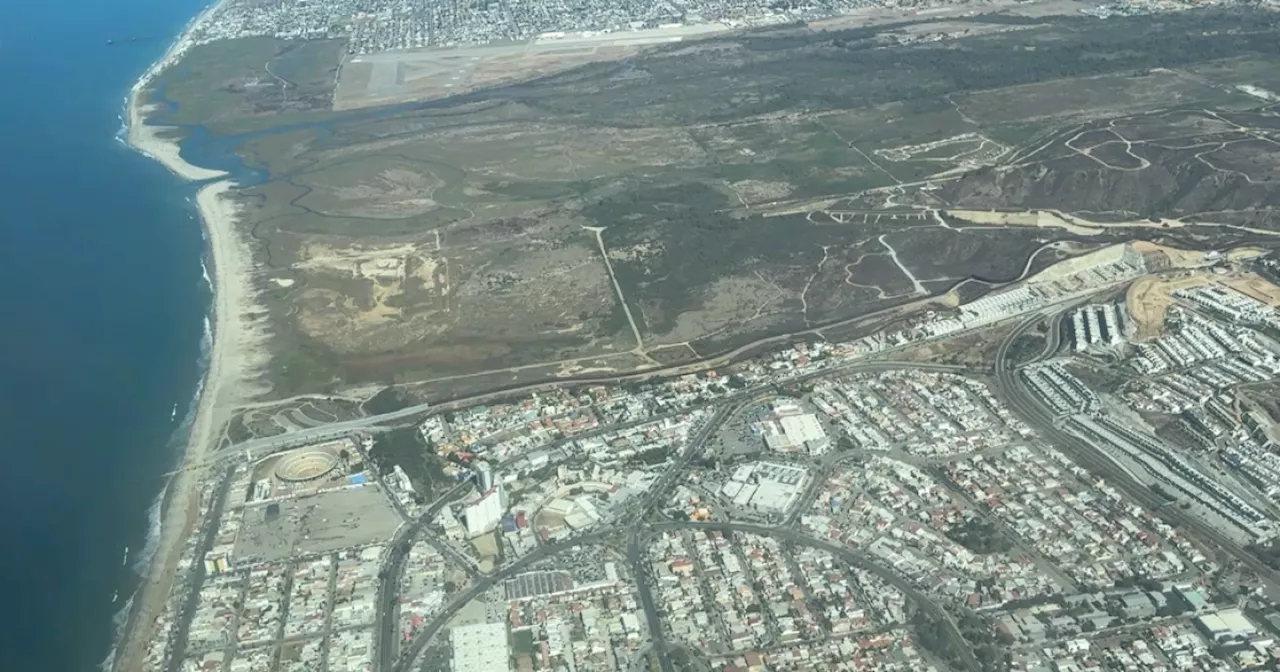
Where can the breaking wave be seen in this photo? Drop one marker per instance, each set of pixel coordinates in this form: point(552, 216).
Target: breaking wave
point(155, 513)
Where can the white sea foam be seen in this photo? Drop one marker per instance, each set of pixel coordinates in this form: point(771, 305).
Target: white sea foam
point(155, 513)
point(181, 434)
point(118, 622)
point(123, 134)
point(142, 561)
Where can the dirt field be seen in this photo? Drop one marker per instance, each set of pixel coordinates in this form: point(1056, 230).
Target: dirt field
point(1149, 298)
point(696, 198)
point(1255, 286)
point(1055, 219)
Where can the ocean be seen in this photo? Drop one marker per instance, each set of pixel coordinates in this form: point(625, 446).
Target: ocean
point(102, 306)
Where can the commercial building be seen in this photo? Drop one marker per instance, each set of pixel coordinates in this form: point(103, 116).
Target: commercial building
point(793, 429)
point(1097, 325)
point(480, 648)
point(485, 514)
point(1227, 625)
point(766, 486)
point(484, 476)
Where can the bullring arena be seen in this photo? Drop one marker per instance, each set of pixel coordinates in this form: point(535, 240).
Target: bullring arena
point(301, 471)
point(303, 466)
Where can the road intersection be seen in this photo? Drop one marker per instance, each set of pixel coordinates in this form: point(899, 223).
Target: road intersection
point(633, 537)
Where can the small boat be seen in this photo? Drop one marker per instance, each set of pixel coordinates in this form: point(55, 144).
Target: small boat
point(173, 415)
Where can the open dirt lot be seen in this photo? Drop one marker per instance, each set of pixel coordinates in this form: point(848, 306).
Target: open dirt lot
point(1257, 287)
point(1149, 298)
point(316, 524)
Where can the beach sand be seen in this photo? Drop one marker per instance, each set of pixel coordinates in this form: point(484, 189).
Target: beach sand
point(148, 139)
point(235, 358)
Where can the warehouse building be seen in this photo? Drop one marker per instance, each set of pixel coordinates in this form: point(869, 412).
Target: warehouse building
point(485, 513)
point(480, 648)
point(1228, 625)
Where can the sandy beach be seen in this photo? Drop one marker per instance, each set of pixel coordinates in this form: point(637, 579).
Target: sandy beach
point(148, 139)
point(234, 358)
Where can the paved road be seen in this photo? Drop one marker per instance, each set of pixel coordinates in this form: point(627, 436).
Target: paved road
point(385, 619)
point(459, 600)
point(1027, 406)
point(855, 558)
point(372, 422)
point(635, 550)
point(191, 602)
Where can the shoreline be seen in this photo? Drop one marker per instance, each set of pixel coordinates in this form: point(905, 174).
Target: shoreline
point(222, 388)
point(231, 355)
point(149, 140)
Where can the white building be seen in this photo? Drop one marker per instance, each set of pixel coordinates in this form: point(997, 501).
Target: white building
point(792, 429)
point(485, 513)
point(766, 486)
point(480, 648)
point(1227, 625)
point(484, 476)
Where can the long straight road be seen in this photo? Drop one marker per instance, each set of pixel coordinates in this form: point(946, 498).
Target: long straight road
point(635, 534)
point(384, 626)
point(475, 590)
point(345, 427)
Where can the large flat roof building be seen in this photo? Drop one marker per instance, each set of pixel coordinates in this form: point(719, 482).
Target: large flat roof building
point(766, 486)
point(792, 429)
point(1227, 625)
point(480, 648)
point(486, 513)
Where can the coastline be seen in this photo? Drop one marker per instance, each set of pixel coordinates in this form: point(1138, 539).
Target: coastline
point(225, 386)
point(149, 140)
point(232, 356)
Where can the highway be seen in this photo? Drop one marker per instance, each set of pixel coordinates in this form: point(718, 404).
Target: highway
point(635, 537)
point(459, 600)
point(384, 627)
point(636, 534)
point(390, 656)
point(190, 603)
point(372, 422)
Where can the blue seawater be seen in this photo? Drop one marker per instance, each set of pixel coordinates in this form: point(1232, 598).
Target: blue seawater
point(102, 307)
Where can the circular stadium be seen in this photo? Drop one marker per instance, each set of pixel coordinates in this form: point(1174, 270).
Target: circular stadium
point(306, 466)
